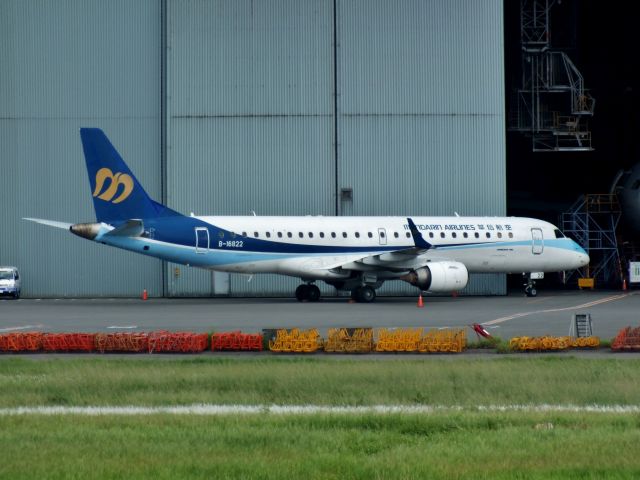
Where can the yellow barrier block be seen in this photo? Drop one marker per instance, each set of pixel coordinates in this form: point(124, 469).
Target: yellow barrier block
point(586, 283)
point(296, 341)
point(548, 343)
point(357, 340)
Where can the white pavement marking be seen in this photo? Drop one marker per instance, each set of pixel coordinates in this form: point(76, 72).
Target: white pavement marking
point(123, 327)
point(207, 409)
point(552, 310)
point(24, 327)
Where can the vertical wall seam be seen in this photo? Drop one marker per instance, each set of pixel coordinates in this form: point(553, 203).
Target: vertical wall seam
point(163, 126)
point(335, 107)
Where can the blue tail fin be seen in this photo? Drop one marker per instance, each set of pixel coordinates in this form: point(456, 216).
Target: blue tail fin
point(117, 194)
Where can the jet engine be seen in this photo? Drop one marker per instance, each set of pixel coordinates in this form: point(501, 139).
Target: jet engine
point(439, 277)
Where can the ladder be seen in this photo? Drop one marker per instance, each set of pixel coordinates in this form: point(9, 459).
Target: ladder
point(582, 322)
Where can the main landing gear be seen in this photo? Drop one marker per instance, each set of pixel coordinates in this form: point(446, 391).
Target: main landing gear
point(363, 294)
point(308, 292)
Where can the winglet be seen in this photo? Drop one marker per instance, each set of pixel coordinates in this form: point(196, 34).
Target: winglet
point(420, 242)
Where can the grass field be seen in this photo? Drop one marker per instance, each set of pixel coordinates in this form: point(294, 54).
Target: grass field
point(464, 443)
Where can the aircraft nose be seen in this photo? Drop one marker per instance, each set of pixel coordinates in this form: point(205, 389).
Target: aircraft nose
point(582, 256)
point(583, 259)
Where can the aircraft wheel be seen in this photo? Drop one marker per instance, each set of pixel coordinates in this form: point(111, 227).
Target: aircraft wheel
point(533, 292)
point(314, 293)
point(366, 294)
point(302, 292)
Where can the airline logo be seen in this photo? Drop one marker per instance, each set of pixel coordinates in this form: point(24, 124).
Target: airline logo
point(115, 180)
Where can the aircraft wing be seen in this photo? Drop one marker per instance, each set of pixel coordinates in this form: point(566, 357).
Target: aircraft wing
point(397, 260)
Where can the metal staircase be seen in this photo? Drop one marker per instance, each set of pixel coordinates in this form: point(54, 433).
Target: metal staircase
point(552, 106)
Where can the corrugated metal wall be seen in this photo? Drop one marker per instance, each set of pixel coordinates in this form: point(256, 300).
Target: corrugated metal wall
point(271, 106)
point(65, 65)
point(250, 116)
point(421, 111)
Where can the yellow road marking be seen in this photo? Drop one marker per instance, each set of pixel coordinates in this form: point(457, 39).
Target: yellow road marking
point(552, 310)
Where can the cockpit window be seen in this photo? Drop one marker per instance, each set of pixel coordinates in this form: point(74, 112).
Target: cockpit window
point(559, 234)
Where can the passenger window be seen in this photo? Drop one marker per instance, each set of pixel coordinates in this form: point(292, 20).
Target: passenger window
point(268, 234)
point(301, 235)
point(499, 234)
point(453, 234)
point(279, 234)
point(321, 234)
point(430, 234)
point(310, 234)
point(369, 234)
point(488, 235)
point(357, 234)
point(255, 234)
point(510, 235)
point(441, 234)
point(408, 234)
point(333, 234)
point(244, 234)
point(381, 234)
point(344, 234)
point(395, 234)
point(465, 235)
point(477, 235)
point(289, 234)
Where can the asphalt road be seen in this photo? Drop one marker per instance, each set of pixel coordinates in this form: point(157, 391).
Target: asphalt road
point(550, 313)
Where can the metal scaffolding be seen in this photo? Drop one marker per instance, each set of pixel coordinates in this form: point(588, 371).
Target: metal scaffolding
point(552, 106)
point(592, 222)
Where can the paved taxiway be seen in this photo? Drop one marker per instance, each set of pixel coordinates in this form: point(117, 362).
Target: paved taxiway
point(514, 315)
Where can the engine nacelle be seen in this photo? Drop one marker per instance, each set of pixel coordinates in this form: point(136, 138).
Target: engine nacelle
point(439, 277)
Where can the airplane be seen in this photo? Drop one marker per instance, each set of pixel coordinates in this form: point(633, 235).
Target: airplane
point(356, 254)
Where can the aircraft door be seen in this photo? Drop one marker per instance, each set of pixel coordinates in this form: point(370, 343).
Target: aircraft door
point(202, 239)
point(537, 245)
point(382, 236)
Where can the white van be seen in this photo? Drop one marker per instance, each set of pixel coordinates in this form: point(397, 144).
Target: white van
point(9, 282)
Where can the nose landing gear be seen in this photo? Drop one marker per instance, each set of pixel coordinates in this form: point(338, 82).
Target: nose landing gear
point(530, 285)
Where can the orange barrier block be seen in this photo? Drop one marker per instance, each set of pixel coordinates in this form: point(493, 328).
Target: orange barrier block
point(627, 339)
point(233, 341)
point(68, 342)
point(121, 342)
point(177, 342)
point(21, 342)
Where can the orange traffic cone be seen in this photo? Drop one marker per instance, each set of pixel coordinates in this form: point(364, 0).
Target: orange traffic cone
point(144, 294)
point(624, 284)
point(420, 302)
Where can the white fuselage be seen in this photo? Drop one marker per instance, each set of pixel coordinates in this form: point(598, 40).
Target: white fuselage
point(316, 247)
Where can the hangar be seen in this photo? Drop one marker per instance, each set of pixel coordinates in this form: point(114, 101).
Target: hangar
point(279, 107)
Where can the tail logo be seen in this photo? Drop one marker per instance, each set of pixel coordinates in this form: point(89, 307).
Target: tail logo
point(115, 180)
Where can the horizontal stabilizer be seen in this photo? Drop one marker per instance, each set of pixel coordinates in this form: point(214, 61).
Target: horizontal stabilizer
point(130, 228)
point(51, 223)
